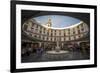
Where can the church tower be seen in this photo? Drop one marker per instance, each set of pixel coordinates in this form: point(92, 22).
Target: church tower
point(49, 24)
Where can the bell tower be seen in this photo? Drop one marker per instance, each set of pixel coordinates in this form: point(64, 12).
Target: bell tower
point(49, 24)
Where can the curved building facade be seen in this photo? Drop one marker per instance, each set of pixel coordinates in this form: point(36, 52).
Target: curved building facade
point(50, 34)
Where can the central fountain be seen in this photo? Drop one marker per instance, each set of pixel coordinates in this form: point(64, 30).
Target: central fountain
point(57, 50)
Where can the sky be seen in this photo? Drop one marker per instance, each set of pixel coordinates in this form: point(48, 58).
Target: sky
point(58, 21)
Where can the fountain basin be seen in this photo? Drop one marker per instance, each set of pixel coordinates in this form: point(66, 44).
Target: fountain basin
point(57, 52)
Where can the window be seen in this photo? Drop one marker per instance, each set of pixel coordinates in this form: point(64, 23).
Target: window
point(68, 31)
point(47, 38)
point(34, 35)
point(51, 34)
point(59, 32)
point(82, 29)
point(77, 27)
point(73, 31)
point(74, 37)
point(78, 31)
point(43, 30)
point(47, 33)
point(64, 33)
point(55, 32)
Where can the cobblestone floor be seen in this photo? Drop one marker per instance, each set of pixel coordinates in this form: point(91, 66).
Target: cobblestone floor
point(54, 57)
